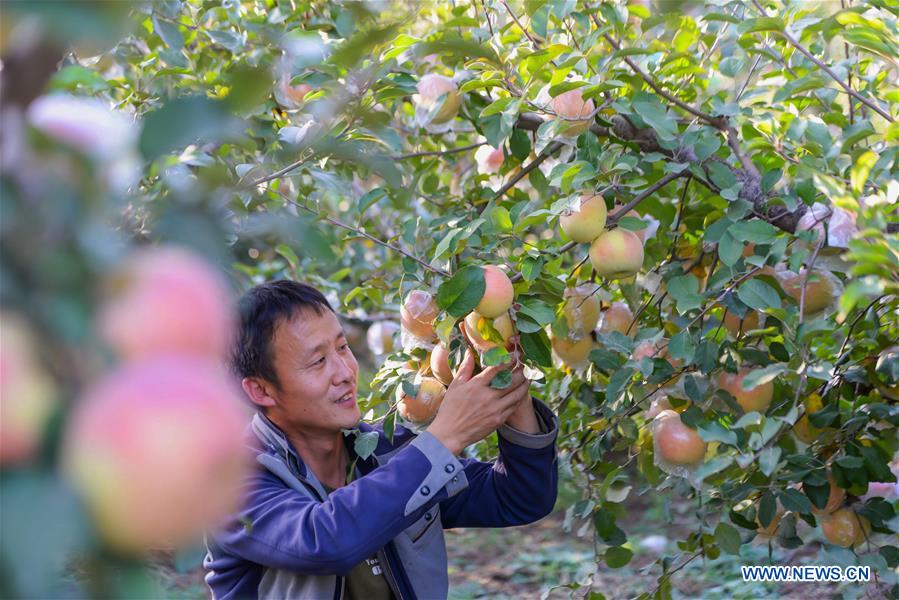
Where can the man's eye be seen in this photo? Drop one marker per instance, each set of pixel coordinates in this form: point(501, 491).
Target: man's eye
point(319, 362)
point(345, 347)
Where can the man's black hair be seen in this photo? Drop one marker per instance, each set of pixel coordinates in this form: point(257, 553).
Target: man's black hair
point(260, 311)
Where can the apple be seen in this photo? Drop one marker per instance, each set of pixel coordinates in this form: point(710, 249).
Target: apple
point(571, 106)
point(422, 408)
point(659, 403)
point(821, 290)
point(28, 395)
point(581, 310)
point(164, 300)
point(834, 500)
point(440, 366)
point(498, 293)
point(503, 325)
point(417, 314)
point(846, 528)
point(433, 87)
point(757, 399)
point(617, 317)
point(573, 354)
point(380, 337)
point(735, 325)
point(291, 96)
point(156, 451)
point(617, 253)
point(489, 159)
point(586, 220)
point(676, 443)
point(657, 349)
point(803, 429)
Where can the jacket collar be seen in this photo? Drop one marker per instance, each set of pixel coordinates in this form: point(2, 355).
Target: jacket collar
point(272, 438)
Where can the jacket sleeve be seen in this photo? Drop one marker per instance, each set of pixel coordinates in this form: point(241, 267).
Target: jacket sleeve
point(286, 528)
point(519, 487)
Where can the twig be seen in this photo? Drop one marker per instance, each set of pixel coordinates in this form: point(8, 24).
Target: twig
point(367, 236)
point(646, 194)
point(827, 69)
point(843, 351)
point(668, 575)
point(748, 77)
point(487, 16)
point(279, 172)
point(721, 296)
point(534, 42)
point(715, 121)
point(527, 169)
point(437, 152)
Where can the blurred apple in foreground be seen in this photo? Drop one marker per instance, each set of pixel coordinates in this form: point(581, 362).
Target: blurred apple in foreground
point(27, 393)
point(167, 300)
point(155, 450)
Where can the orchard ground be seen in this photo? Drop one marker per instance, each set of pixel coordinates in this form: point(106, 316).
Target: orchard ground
point(525, 562)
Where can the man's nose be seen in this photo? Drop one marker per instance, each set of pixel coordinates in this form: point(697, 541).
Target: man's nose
point(343, 371)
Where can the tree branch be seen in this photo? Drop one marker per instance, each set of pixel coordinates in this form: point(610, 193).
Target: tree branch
point(367, 236)
point(527, 169)
point(646, 194)
point(718, 122)
point(437, 152)
point(793, 42)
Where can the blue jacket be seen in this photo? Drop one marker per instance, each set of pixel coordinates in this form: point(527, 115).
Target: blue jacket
point(293, 540)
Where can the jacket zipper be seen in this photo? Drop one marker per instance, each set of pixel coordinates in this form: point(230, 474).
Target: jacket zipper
point(340, 588)
point(388, 573)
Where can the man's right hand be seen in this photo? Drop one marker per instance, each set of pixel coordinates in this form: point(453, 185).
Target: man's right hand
point(471, 409)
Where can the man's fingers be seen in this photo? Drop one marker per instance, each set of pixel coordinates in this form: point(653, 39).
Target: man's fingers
point(512, 395)
point(488, 373)
point(466, 368)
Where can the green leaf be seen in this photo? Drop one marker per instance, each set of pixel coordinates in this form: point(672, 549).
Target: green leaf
point(501, 380)
point(682, 346)
point(860, 171)
point(537, 348)
point(684, 289)
point(496, 107)
point(757, 377)
point(520, 144)
point(768, 459)
point(538, 310)
point(604, 523)
point(767, 509)
point(729, 249)
point(74, 76)
point(891, 555)
point(754, 230)
point(794, 500)
point(757, 294)
point(618, 556)
point(365, 443)
point(184, 121)
point(169, 32)
point(728, 538)
point(760, 24)
point(531, 268)
point(656, 116)
point(461, 293)
point(495, 356)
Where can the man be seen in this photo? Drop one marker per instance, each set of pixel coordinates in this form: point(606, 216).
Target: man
point(318, 521)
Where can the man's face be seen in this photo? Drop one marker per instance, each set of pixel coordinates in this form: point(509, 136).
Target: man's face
point(317, 372)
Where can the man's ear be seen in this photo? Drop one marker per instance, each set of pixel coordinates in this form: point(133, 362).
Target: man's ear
point(258, 391)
